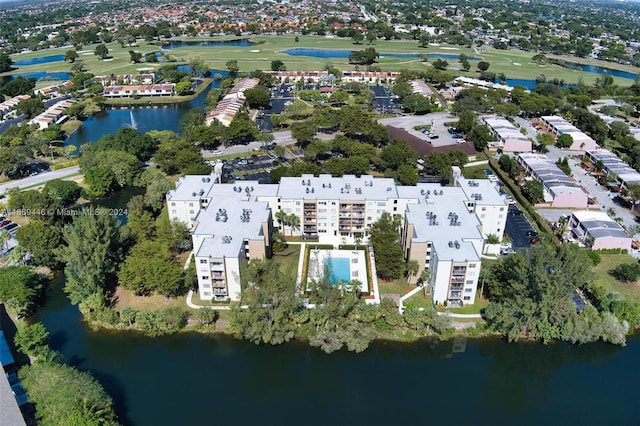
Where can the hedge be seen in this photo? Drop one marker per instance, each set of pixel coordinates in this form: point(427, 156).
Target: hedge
point(64, 165)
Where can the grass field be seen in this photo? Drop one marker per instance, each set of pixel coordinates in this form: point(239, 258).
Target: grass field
point(513, 63)
point(602, 277)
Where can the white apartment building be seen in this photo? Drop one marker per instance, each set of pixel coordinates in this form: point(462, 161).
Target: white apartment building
point(444, 227)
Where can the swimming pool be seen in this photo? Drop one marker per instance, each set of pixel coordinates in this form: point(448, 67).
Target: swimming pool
point(339, 269)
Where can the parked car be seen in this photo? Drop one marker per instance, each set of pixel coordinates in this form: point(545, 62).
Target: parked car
point(531, 233)
point(11, 227)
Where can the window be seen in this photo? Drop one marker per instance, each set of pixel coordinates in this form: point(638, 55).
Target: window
point(173, 204)
point(468, 290)
point(467, 298)
point(484, 209)
point(207, 293)
point(203, 260)
point(501, 209)
point(469, 282)
point(190, 204)
point(191, 212)
point(472, 265)
point(204, 277)
point(174, 211)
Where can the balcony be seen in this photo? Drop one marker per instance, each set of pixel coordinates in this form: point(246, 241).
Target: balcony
point(219, 291)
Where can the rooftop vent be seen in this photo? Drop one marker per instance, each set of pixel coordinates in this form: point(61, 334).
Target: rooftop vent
point(226, 239)
point(456, 244)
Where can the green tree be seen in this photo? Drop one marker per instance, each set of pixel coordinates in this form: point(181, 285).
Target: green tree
point(545, 139)
point(58, 390)
point(232, 66)
point(465, 65)
point(402, 89)
point(531, 291)
point(42, 240)
point(32, 339)
point(384, 235)
point(71, 56)
point(20, 287)
point(183, 88)
point(101, 51)
point(480, 136)
point(135, 57)
point(278, 65)
point(412, 269)
point(565, 140)
point(533, 190)
point(5, 62)
point(357, 37)
point(30, 107)
point(151, 267)
point(258, 97)
point(466, 121)
point(440, 64)
point(416, 104)
point(483, 66)
point(270, 296)
point(303, 133)
point(397, 153)
point(91, 256)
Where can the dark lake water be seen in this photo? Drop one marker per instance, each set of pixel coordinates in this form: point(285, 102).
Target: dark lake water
point(221, 43)
point(40, 60)
point(158, 117)
point(194, 379)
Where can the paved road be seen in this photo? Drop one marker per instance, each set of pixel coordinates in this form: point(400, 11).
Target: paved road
point(280, 138)
point(41, 178)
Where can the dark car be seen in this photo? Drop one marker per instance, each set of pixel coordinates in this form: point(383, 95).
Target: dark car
point(12, 226)
point(531, 233)
point(4, 223)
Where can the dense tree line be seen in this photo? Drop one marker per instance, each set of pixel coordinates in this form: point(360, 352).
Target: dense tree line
point(531, 297)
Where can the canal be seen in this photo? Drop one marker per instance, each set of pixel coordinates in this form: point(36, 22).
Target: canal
point(195, 379)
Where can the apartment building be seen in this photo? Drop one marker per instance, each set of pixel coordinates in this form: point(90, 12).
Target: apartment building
point(10, 104)
point(444, 227)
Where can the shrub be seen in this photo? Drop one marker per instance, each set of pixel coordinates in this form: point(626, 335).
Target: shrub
point(594, 257)
point(627, 272)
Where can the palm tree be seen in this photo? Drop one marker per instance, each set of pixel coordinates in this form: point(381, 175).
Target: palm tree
point(5, 236)
point(412, 268)
point(293, 222)
point(281, 216)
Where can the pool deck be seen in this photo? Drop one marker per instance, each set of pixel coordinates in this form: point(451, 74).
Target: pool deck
point(374, 297)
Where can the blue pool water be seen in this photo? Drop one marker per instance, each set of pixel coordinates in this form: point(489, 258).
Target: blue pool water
point(339, 269)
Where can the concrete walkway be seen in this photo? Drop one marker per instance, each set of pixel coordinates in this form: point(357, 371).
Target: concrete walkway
point(406, 296)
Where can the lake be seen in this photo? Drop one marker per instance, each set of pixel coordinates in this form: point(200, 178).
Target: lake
point(38, 61)
point(157, 117)
point(194, 379)
point(176, 44)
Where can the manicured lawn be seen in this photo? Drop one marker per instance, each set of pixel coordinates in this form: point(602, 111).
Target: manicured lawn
point(419, 300)
point(288, 259)
point(468, 309)
point(513, 63)
point(602, 277)
point(398, 286)
point(475, 172)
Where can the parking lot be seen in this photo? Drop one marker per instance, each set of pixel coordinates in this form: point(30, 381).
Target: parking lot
point(439, 134)
point(517, 228)
point(384, 101)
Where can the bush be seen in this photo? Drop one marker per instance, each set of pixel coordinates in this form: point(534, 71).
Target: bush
point(64, 165)
point(594, 257)
point(627, 272)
